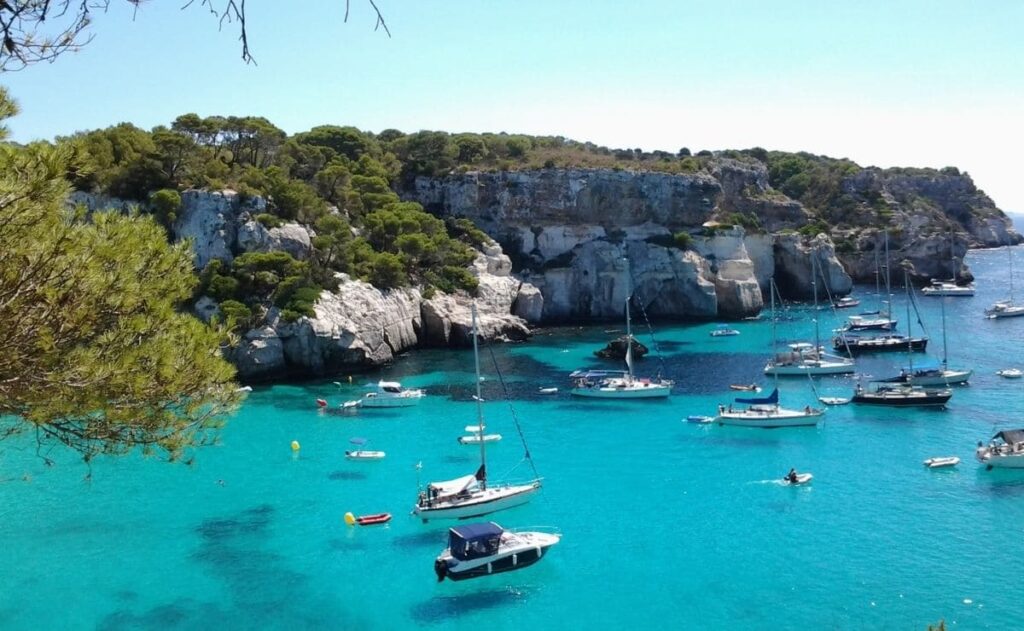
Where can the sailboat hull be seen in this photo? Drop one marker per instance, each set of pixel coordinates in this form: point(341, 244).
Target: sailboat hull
point(947, 377)
point(635, 391)
point(479, 503)
point(770, 418)
point(809, 368)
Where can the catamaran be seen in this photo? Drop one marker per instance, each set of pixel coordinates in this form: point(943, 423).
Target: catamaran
point(619, 384)
point(471, 495)
point(765, 411)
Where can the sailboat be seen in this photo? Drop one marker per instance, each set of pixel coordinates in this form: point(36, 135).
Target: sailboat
point(1006, 308)
point(883, 320)
point(807, 359)
point(766, 412)
point(903, 394)
point(949, 287)
point(471, 495)
point(935, 375)
point(619, 384)
point(878, 337)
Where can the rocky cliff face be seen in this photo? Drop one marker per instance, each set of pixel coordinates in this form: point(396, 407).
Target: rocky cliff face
point(570, 229)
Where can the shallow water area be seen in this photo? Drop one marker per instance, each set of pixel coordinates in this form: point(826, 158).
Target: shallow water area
point(665, 523)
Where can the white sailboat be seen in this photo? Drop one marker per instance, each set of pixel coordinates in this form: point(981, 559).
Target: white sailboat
point(807, 359)
point(471, 495)
point(935, 375)
point(1006, 308)
point(618, 384)
point(949, 287)
point(765, 412)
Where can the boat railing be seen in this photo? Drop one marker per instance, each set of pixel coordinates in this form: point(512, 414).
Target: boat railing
point(551, 530)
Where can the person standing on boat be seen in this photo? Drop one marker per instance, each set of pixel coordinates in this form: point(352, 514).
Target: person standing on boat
point(791, 476)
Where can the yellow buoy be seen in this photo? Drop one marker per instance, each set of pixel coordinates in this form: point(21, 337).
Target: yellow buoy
point(295, 445)
point(350, 519)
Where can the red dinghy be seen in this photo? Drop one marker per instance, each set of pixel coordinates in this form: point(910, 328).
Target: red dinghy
point(321, 402)
point(370, 520)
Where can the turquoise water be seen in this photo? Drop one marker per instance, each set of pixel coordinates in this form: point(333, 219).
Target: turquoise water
point(665, 523)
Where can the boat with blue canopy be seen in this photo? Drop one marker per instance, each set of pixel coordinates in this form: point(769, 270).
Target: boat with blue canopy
point(481, 549)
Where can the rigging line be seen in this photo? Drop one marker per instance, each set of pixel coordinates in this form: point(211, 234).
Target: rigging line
point(512, 409)
point(654, 341)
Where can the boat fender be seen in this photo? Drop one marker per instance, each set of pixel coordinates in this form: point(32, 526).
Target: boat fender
point(490, 568)
point(295, 445)
point(350, 519)
point(440, 568)
point(515, 560)
point(540, 552)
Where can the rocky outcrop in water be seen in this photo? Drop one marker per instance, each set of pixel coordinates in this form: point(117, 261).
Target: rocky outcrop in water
point(616, 349)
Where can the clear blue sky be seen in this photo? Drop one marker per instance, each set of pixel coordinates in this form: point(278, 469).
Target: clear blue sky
point(911, 83)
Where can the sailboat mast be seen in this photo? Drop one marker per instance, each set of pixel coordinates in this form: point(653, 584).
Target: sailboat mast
point(945, 349)
point(479, 403)
point(888, 281)
point(1009, 249)
point(814, 288)
point(629, 329)
point(774, 332)
point(878, 282)
point(910, 351)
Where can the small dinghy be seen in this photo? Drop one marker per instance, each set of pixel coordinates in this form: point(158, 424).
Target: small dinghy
point(943, 461)
point(322, 403)
point(548, 390)
point(362, 454)
point(1010, 373)
point(723, 330)
point(367, 520)
point(700, 420)
point(351, 405)
point(798, 479)
point(478, 436)
point(834, 400)
point(745, 388)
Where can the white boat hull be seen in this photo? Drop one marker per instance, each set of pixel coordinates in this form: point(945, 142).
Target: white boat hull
point(476, 440)
point(636, 391)
point(365, 455)
point(948, 377)
point(491, 500)
point(801, 478)
point(937, 463)
point(1000, 461)
point(810, 368)
point(390, 402)
point(770, 418)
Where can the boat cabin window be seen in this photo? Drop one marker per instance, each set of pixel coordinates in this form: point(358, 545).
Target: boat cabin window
point(473, 542)
point(392, 389)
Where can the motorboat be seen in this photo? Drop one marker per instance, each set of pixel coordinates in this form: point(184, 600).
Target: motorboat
point(798, 479)
point(367, 520)
point(351, 406)
point(699, 419)
point(941, 461)
point(477, 436)
point(1005, 450)
point(766, 412)
point(474, 495)
point(745, 388)
point(1010, 373)
point(391, 394)
point(805, 358)
point(477, 550)
point(363, 454)
point(608, 384)
point(1004, 309)
point(834, 400)
point(902, 395)
point(846, 302)
point(892, 342)
point(948, 288)
point(723, 330)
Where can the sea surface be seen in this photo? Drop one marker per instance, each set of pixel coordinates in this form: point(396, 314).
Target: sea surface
point(665, 524)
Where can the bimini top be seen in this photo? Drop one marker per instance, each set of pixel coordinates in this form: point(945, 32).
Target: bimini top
point(1011, 436)
point(389, 386)
point(451, 487)
point(473, 541)
point(768, 400)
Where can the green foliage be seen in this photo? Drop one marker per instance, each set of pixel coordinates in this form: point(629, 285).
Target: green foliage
point(683, 240)
point(95, 355)
point(165, 204)
point(750, 222)
point(236, 315)
point(386, 270)
point(814, 228)
point(269, 221)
